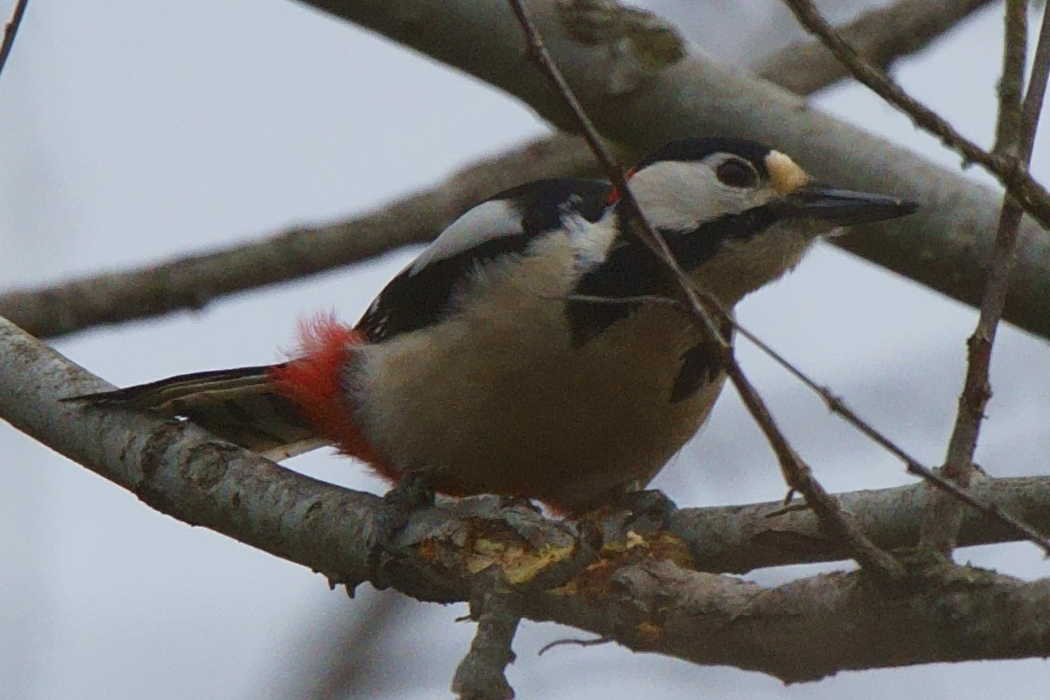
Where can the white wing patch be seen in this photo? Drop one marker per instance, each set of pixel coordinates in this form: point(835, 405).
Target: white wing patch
point(487, 221)
point(591, 241)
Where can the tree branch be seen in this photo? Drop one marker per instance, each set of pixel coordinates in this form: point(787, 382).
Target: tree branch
point(1014, 176)
point(645, 593)
point(10, 30)
point(709, 619)
point(479, 675)
point(193, 281)
point(798, 475)
point(952, 492)
point(942, 246)
point(882, 36)
point(1015, 139)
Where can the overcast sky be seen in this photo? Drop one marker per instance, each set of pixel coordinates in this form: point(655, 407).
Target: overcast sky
point(135, 131)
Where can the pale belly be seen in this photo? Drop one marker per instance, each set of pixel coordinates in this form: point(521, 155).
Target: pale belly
point(496, 401)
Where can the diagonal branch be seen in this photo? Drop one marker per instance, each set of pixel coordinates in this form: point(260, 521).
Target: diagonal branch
point(1011, 80)
point(696, 95)
point(1013, 175)
point(647, 234)
point(798, 475)
point(480, 675)
point(1015, 139)
point(193, 281)
point(10, 31)
point(882, 35)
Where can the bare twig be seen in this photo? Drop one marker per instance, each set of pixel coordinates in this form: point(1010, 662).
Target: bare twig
point(793, 468)
point(800, 477)
point(868, 555)
point(11, 30)
point(1011, 81)
point(648, 235)
point(654, 299)
point(1015, 139)
point(839, 407)
point(597, 641)
point(1013, 175)
point(882, 35)
point(1001, 163)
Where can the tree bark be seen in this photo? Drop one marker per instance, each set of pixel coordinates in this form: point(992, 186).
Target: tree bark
point(643, 590)
point(640, 95)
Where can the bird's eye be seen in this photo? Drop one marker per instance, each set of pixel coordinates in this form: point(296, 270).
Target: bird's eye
point(737, 173)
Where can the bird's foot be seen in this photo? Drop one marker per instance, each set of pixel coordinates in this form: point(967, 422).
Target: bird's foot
point(650, 510)
point(413, 492)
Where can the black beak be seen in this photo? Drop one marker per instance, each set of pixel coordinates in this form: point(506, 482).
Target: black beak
point(843, 207)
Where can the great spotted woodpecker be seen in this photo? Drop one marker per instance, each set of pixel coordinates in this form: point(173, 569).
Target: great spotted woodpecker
point(486, 366)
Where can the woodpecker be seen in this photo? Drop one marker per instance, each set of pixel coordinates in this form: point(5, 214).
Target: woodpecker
point(516, 355)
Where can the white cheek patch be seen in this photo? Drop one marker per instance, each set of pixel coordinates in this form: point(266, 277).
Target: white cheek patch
point(485, 222)
point(677, 195)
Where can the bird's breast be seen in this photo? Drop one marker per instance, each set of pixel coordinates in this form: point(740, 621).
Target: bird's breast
point(498, 399)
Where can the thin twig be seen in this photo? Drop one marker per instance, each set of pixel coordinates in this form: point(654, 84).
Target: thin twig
point(839, 407)
point(1013, 174)
point(882, 35)
point(940, 528)
point(10, 31)
point(1016, 136)
point(654, 299)
point(648, 235)
point(800, 477)
point(1008, 169)
point(868, 555)
point(1011, 81)
point(597, 641)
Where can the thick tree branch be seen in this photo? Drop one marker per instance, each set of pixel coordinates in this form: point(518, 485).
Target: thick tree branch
point(633, 102)
point(943, 246)
point(732, 539)
point(193, 281)
point(711, 619)
point(644, 593)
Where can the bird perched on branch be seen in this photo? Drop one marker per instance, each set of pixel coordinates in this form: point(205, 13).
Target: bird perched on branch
point(519, 354)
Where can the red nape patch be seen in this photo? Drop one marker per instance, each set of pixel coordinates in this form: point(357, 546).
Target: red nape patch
point(315, 382)
point(614, 194)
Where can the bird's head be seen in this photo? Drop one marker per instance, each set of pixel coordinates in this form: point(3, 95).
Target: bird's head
point(738, 213)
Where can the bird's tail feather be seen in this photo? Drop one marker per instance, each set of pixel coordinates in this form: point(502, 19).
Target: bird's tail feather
point(240, 405)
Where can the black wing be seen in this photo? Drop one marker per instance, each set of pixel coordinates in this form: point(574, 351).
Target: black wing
point(422, 293)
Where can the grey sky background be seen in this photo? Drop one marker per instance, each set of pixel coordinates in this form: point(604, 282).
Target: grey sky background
point(131, 132)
